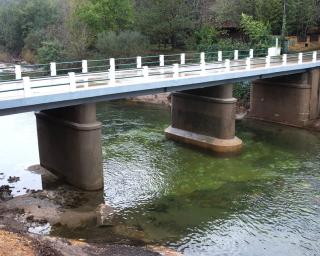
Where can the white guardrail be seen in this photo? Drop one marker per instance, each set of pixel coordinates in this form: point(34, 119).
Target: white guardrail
point(207, 63)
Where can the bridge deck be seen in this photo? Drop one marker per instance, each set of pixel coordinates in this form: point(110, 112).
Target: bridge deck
point(58, 91)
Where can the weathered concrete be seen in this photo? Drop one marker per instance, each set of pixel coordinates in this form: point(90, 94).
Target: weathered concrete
point(70, 145)
point(205, 118)
point(291, 100)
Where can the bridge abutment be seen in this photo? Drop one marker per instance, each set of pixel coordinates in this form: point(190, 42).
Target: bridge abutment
point(70, 145)
point(205, 118)
point(291, 100)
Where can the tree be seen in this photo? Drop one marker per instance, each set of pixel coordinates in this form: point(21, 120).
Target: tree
point(123, 44)
point(165, 21)
point(105, 15)
point(258, 32)
point(50, 51)
point(302, 14)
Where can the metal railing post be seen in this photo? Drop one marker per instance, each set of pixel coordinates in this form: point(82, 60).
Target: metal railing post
point(145, 71)
point(53, 69)
point(112, 63)
point(84, 66)
point(183, 59)
point(139, 62)
point(175, 70)
point(202, 58)
point(300, 58)
point(248, 63)
point(220, 58)
point(27, 86)
point(161, 60)
point(18, 72)
point(236, 55)
point(227, 64)
point(314, 56)
point(72, 81)
point(85, 70)
point(284, 59)
point(268, 61)
point(251, 54)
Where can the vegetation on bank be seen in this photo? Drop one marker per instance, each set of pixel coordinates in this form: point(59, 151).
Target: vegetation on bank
point(55, 30)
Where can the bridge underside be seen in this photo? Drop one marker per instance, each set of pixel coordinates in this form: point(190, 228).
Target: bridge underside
point(291, 100)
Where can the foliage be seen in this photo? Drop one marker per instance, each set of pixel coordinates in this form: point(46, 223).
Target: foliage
point(301, 14)
point(123, 44)
point(165, 21)
point(241, 91)
point(104, 15)
point(258, 32)
point(207, 36)
point(83, 27)
point(18, 18)
point(50, 51)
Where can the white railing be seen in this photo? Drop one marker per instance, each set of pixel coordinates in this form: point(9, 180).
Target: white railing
point(113, 76)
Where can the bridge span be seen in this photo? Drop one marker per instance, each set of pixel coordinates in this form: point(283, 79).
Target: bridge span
point(285, 90)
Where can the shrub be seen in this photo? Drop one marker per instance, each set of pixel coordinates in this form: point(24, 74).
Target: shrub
point(50, 51)
point(4, 55)
point(241, 91)
point(258, 32)
point(125, 44)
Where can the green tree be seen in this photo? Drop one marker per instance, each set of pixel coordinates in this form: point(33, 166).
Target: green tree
point(258, 32)
point(302, 14)
point(50, 51)
point(105, 15)
point(165, 21)
point(123, 44)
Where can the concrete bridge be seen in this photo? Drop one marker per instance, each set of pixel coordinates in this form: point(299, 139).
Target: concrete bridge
point(285, 90)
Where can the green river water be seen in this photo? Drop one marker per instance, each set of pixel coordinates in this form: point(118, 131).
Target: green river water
point(264, 201)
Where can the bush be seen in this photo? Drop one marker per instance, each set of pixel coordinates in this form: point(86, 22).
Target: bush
point(50, 51)
point(28, 55)
point(124, 44)
point(207, 36)
point(4, 55)
point(258, 32)
point(241, 91)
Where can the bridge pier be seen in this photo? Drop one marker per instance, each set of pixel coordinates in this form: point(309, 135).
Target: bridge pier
point(291, 100)
point(205, 118)
point(70, 145)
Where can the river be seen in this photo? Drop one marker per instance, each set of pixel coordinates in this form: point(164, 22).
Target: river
point(265, 201)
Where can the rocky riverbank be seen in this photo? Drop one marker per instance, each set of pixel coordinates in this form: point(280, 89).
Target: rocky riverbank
point(34, 223)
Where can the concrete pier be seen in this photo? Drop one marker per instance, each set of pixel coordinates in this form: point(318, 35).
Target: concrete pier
point(70, 145)
point(291, 100)
point(205, 118)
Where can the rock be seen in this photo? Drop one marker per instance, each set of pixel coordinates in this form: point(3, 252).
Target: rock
point(105, 215)
point(5, 193)
point(13, 179)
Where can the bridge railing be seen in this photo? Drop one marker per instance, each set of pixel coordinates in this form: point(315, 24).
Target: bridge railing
point(16, 72)
point(111, 72)
point(73, 81)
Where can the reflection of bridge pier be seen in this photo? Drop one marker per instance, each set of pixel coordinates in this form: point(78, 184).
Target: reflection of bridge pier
point(205, 118)
point(291, 100)
point(70, 145)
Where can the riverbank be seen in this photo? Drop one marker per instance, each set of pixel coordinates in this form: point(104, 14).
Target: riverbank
point(27, 221)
